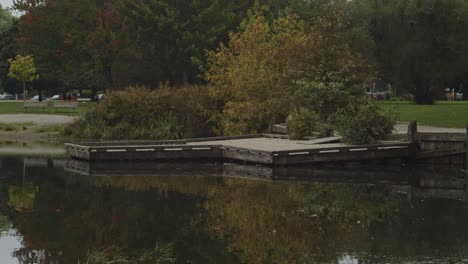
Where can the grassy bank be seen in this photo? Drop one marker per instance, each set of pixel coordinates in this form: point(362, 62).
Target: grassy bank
point(29, 130)
point(441, 114)
point(17, 108)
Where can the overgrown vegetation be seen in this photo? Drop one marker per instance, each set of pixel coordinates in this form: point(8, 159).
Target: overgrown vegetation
point(157, 255)
point(303, 122)
point(363, 123)
point(14, 127)
point(139, 113)
point(52, 129)
point(268, 71)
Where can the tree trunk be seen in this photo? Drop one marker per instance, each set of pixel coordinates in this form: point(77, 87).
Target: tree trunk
point(422, 92)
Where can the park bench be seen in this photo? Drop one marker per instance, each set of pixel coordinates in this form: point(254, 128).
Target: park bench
point(65, 105)
point(34, 105)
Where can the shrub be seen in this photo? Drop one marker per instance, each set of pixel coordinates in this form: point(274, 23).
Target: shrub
point(194, 104)
point(326, 98)
point(133, 113)
point(398, 99)
point(303, 122)
point(241, 118)
point(363, 123)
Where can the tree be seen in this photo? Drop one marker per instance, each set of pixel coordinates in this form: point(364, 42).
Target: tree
point(8, 50)
point(23, 69)
point(113, 44)
point(420, 45)
point(6, 19)
point(255, 77)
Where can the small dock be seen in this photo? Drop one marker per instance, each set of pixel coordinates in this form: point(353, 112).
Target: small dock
point(278, 150)
point(261, 149)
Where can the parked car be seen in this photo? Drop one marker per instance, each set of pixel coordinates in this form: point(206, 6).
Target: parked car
point(55, 97)
point(99, 97)
point(35, 98)
point(380, 95)
point(7, 96)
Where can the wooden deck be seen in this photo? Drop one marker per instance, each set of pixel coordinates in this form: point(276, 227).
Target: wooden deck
point(277, 150)
point(261, 149)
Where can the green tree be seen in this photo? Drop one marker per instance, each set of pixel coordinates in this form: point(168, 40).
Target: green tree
point(8, 50)
point(265, 64)
point(62, 37)
point(420, 45)
point(6, 19)
point(107, 44)
point(23, 69)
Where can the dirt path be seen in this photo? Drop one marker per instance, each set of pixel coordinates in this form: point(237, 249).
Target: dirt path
point(402, 128)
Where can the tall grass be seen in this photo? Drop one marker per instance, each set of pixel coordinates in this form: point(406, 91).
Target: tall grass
point(140, 113)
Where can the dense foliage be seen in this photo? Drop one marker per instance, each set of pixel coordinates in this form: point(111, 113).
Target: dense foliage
point(266, 71)
point(416, 46)
point(363, 123)
point(421, 46)
point(134, 113)
point(266, 64)
point(261, 60)
point(303, 122)
point(23, 69)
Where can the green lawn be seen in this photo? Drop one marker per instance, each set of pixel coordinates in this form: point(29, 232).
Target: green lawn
point(17, 107)
point(441, 114)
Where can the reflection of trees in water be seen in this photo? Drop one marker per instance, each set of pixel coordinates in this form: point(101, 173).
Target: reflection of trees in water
point(186, 185)
point(21, 198)
point(279, 223)
point(219, 220)
point(68, 221)
point(282, 223)
point(5, 224)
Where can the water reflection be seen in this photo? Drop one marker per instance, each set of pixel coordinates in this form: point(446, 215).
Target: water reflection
point(66, 212)
point(31, 148)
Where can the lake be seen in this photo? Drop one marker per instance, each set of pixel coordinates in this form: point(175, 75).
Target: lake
point(56, 211)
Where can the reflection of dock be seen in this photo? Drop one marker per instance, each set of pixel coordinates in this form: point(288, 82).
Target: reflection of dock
point(450, 194)
point(167, 169)
point(417, 182)
point(44, 163)
point(434, 185)
point(233, 170)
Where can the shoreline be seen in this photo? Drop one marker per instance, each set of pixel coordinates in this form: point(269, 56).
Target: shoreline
point(33, 127)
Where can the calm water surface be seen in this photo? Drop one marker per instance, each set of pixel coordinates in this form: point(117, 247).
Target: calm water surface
point(54, 211)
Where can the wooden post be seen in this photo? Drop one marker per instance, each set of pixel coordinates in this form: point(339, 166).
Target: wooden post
point(413, 148)
point(466, 148)
point(272, 124)
point(412, 131)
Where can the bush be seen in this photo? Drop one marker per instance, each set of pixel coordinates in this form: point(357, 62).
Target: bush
point(326, 98)
point(241, 118)
point(363, 123)
point(133, 113)
point(194, 104)
point(398, 99)
point(303, 122)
